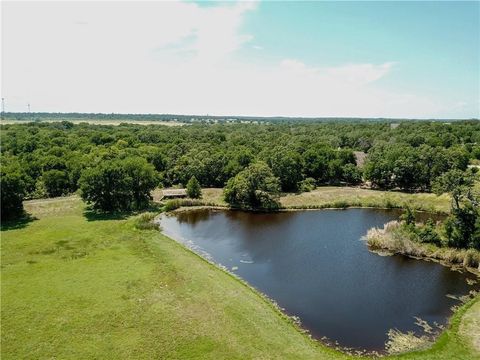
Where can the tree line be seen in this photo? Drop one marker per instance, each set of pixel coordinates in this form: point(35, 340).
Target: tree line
point(49, 116)
point(115, 167)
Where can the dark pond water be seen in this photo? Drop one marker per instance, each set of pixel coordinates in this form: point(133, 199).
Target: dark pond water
point(315, 265)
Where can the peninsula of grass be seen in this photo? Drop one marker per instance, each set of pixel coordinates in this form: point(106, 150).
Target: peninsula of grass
point(395, 239)
point(76, 285)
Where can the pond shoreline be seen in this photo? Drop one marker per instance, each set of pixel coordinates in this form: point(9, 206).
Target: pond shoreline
point(431, 338)
point(282, 312)
point(185, 208)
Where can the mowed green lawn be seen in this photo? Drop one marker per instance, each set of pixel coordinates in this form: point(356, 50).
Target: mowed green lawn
point(75, 286)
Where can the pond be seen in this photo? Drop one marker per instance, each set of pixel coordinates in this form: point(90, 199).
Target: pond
point(315, 266)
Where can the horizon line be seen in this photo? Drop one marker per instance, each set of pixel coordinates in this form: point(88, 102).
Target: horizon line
point(235, 116)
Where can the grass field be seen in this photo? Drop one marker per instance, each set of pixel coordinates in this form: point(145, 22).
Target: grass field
point(351, 196)
point(76, 285)
point(335, 196)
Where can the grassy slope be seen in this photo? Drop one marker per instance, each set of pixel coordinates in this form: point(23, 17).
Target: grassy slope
point(453, 344)
point(74, 288)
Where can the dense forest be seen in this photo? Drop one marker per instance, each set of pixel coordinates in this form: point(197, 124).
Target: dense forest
point(125, 162)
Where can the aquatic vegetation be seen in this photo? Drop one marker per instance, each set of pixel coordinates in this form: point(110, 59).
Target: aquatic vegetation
point(394, 238)
point(146, 221)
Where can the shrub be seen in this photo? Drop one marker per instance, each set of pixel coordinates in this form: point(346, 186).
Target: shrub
point(171, 205)
point(341, 204)
point(389, 204)
point(177, 203)
point(471, 258)
point(428, 234)
point(408, 216)
point(307, 185)
point(145, 222)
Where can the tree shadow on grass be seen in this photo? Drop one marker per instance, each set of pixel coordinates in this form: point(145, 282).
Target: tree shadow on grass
point(96, 215)
point(19, 223)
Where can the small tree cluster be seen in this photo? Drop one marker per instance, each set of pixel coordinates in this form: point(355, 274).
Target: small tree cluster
point(253, 188)
point(461, 229)
point(119, 185)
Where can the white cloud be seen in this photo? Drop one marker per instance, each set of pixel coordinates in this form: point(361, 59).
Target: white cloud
point(174, 57)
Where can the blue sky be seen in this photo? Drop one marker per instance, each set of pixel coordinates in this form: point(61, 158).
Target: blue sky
point(435, 45)
point(368, 59)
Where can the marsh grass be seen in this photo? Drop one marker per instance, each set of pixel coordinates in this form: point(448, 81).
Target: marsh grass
point(146, 221)
point(175, 204)
point(393, 238)
point(400, 342)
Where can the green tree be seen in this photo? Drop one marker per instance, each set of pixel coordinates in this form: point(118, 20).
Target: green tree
point(462, 226)
point(456, 182)
point(12, 190)
point(287, 166)
point(428, 233)
point(56, 182)
point(316, 160)
point(351, 174)
point(194, 190)
point(119, 185)
point(408, 216)
point(377, 169)
point(408, 222)
point(253, 188)
point(307, 185)
point(143, 179)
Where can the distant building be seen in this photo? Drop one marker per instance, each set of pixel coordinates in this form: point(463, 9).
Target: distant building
point(360, 157)
point(173, 193)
